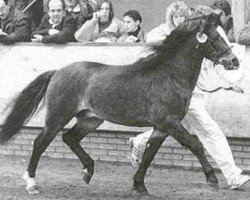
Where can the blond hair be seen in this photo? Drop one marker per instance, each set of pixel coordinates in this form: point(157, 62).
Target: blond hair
point(176, 8)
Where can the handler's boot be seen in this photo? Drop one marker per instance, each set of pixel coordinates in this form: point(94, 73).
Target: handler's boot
point(239, 181)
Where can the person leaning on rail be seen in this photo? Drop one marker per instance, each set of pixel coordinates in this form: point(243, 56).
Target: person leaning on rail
point(133, 32)
point(15, 26)
point(56, 26)
point(176, 13)
point(197, 119)
point(103, 27)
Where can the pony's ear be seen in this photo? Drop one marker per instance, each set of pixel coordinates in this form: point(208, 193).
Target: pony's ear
point(214, 18)
point(211, 19)
point(201, 37)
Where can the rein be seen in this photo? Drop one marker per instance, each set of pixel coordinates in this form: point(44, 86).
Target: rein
point(214, 90)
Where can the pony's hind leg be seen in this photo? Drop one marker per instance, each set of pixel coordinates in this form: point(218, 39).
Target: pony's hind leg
point(196, 147)
point(40, 144)
point(86, 123)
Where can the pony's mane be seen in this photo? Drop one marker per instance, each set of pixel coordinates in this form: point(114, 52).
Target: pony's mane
point(170, 45)
point(176, 38)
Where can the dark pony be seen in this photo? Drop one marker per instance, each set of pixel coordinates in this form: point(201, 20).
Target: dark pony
point(154, 91)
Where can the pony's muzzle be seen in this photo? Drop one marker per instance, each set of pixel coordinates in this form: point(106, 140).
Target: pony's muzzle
point(235, 62)
point(230, 64)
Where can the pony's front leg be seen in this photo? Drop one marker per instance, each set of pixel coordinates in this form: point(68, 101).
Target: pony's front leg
point(153, 145)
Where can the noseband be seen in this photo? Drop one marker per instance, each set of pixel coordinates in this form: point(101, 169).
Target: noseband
point(216, 54)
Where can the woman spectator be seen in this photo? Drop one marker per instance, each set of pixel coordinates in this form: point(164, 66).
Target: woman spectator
point(133, 33)
point(175, 14)
point(103, 27)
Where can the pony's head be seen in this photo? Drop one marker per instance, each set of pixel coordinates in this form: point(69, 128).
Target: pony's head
point(213, 42)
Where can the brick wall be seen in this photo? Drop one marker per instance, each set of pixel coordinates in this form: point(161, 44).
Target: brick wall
point(114, 147)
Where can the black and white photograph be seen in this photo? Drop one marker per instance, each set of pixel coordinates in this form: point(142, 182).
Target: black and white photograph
point(125, 99)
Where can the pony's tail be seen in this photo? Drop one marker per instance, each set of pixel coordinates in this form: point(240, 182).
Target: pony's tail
point(24, 106)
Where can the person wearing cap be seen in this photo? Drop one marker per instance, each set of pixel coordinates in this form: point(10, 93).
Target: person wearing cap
point(133, 32)
point(15, 26)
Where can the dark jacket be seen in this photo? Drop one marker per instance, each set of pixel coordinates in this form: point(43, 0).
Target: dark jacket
point(67, 28)
point(18, 27)
point(35, 12)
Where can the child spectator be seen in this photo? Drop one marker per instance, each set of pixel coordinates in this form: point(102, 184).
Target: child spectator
point(133, 33)
point(103, 27)
point(14, 25)
point(56, 26)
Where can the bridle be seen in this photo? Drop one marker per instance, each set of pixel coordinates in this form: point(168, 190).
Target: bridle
point(215, 53)
point(210, 44)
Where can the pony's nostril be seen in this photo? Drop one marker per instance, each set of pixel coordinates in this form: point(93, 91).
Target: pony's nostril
point(235, 62)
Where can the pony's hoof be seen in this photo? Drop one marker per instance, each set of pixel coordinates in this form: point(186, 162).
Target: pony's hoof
point(140, 195)
point(31, 184)
point(140, 191)
point(213, 186)
point(32, 190)
point(86, 176)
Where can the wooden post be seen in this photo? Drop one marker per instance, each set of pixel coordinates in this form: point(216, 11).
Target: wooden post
point(239, 14)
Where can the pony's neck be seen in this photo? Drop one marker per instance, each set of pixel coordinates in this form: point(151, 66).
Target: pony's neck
point(186, 64)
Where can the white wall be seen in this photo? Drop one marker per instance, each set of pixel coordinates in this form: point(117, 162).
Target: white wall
point(21, 63)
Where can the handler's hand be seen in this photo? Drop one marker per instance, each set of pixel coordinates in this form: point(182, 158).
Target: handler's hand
point(237, 88)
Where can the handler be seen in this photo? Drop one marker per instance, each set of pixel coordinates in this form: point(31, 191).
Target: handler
point(197, 119)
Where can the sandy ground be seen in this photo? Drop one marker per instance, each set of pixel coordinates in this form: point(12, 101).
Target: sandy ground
point(62, 179)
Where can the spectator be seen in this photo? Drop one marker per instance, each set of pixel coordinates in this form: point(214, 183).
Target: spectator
point(223, 8)
point(80, 10)
point(72, 6)
point(56, 26)
point(33, 9)
point(133, 33)
point(103, 27)
point(198, 121)
point(15, 26)
point(175, 14)
point(244, 35)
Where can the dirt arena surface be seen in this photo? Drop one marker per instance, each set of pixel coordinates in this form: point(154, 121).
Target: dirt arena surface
point(62, 179)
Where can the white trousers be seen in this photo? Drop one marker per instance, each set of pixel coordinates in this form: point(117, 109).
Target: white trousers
point(198, 121)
